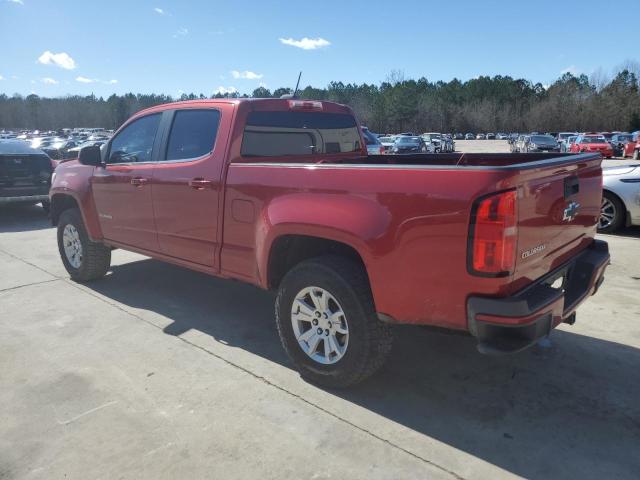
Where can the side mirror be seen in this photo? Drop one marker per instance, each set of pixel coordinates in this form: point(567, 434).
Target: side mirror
point(90, 156)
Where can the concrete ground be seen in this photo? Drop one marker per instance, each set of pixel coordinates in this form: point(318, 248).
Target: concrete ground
point(158, 372)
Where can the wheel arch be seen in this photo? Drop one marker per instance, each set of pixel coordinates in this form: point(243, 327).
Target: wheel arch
point(288, 250)
point(61, 201)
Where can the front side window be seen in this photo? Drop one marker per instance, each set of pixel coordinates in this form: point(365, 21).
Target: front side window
point(273, 134)
point(134, 144)
point(193, 133)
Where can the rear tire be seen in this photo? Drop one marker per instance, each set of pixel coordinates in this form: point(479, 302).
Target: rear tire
point(367, 342)
point(83, 259)
point(612, 213)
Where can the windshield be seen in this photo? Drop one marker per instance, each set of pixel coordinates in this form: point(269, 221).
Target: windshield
point(598, 139)
point(622, 138)
point(387, 139)
point(542, 139)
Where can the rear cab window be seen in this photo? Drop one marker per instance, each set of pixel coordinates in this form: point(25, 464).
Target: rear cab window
point(193, 134)
point(284, 133)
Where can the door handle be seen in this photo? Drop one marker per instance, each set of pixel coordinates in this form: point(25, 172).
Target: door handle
point(139, 181)
point(199, 183)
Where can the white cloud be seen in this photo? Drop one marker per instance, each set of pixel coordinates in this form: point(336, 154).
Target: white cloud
point(572, 69)
point(247, 74)
point(49, 81)
point(19, 2)
point(225, 90)
point(1, 77)
point(95, 80)
point(182, 32)
point(306, 43)
point(159, 11)
point(62, 60)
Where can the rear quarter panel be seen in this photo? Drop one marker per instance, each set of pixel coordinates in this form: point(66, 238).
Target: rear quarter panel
point(410, 227)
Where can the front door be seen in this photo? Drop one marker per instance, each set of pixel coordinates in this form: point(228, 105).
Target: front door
point(122, 188)
point(187, 185)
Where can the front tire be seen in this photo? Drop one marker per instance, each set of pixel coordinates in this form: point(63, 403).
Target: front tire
point(327, 322)
point(83, 259)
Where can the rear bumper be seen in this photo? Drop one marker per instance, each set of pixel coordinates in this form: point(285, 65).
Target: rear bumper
point(511, 324)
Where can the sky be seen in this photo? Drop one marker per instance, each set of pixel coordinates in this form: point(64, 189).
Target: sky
point(54, 48)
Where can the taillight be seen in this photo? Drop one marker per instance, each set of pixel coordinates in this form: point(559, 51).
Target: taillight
point(493, 235)
point(381, 150)
point(305, 105)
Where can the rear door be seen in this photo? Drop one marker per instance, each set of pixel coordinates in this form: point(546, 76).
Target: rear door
point(187, 184)
point(122, 189)
point(558, 209)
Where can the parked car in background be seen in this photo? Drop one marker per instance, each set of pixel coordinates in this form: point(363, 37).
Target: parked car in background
point(618, 141)
point(632, 148)
point(73, 152)
point(567, 144)
point(562, 139)
point(538, 143)
point(458, 136)
point(374, 147)
point(491, 136)
point(620, 193)
point(60, 150)
point(406, 144)
point(502, 136)
point(387, 142)
point(592, 143)
point(25, 174)
point(481, 136)
point(469, 136)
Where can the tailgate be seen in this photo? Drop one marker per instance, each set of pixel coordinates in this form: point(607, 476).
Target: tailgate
point(558, 209)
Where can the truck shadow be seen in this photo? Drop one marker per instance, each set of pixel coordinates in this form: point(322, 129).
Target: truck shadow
point(568, 410)
point(22, 218)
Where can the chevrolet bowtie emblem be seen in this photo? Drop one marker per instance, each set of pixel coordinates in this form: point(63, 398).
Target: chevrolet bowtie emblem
point(571, 211)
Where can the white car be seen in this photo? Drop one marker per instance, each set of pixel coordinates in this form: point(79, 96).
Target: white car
point(620, 198)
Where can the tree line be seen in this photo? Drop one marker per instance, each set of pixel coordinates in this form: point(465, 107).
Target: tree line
point(498, 104)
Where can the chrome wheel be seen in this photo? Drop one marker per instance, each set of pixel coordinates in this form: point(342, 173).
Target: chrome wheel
point(72, 246)
point(320, 325)
point(608, 213)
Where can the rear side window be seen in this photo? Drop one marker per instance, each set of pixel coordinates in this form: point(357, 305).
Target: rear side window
point(193, 133)
point(273, 134)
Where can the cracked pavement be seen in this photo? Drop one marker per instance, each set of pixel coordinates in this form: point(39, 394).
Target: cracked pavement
point(160, 372)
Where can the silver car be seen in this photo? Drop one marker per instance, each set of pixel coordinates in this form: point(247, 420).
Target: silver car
point(620, 198)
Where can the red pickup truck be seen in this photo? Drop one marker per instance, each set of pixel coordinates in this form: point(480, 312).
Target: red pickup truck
point(281, 193)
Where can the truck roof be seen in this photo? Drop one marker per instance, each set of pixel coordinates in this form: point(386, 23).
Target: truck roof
point(278, 103)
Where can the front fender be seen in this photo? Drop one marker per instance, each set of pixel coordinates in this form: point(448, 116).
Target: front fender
point(72, 181)
point(357, 221)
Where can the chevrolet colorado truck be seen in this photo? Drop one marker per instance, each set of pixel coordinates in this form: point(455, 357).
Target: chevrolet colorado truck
point(281, 193)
